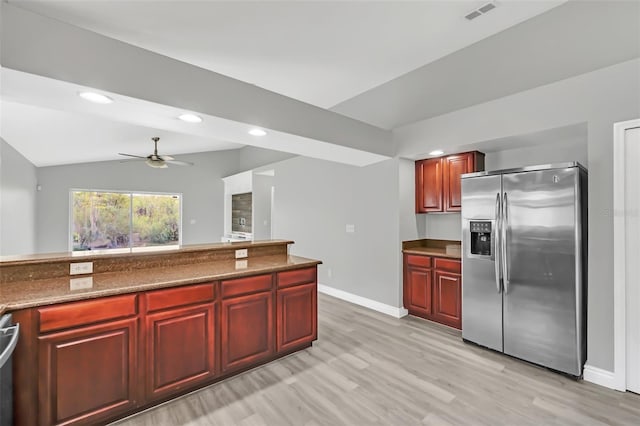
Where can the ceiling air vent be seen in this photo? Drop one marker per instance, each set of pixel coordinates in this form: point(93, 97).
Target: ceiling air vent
point(473, 15)
point(480, 11)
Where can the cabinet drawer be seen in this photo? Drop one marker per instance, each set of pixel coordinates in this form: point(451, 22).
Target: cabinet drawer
point(449, 265)
point(86, 312)
point(179, 296)
point(297, 276)
point(416, 260)
point(246, 285)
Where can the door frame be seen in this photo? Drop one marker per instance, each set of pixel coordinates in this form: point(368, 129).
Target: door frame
point(619, 255)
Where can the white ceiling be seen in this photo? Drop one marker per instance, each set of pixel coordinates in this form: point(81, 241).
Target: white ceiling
point(319, 52)
point(59, 137)
point(322, 52)
point(49, 124)
point(573, 39)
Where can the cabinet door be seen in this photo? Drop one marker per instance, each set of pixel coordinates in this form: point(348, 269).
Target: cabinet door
point(454, 166)
point(88, 374)
point(247, 330)
point(296, 316)
point(180, 349)
point(448, 299)
point(418, 291)
point(429, 185)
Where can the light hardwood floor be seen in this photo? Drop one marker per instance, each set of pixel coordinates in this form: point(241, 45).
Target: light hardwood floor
point(370, 369)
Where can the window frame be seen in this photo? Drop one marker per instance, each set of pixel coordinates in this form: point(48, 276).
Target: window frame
point(130, 249)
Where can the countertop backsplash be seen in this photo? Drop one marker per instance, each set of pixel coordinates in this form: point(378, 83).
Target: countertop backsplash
point(443, 226)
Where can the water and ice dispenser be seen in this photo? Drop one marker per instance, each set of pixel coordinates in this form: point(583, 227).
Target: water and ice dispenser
point(480, 237)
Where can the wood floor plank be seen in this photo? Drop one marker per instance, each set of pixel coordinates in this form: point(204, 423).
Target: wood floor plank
point(371, 369)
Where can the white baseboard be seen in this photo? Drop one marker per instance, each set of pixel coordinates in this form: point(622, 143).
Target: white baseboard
point(363, 301)
point(599, 376)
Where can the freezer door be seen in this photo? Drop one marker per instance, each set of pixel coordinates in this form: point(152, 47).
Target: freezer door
point(540, 279)
point(481, 294)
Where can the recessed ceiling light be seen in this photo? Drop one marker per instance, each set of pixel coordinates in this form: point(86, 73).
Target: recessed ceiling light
point(437, 152)
point(191, 118)
point(97, 98)
point(257, 132)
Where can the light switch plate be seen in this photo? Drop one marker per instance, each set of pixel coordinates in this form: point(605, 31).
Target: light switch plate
point(80, 268)
point(80, 283)
point(242, 264)
point(350, 228)
point(241, 253)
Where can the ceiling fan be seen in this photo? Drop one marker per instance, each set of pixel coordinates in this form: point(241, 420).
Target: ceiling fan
point(158, 161)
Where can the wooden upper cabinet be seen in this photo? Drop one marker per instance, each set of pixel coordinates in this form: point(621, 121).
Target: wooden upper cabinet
point(429, 185)
point(453, 167)
point(438, 181)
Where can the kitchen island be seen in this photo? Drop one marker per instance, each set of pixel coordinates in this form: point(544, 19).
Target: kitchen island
point(146, 327)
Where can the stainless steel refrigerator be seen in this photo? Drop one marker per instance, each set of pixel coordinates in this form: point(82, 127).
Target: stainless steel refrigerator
point(524, 263)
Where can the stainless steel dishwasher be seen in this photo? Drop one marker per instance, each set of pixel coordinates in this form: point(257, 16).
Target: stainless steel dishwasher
point(8, 338)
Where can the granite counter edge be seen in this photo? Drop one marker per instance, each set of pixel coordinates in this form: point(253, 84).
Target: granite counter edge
point(52, 300)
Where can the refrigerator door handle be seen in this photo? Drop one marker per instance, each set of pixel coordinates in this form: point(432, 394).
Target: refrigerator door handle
point(496, 244)
point(504, 226)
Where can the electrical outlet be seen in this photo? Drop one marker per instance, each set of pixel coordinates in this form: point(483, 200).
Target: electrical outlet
point(242, 253)
point(80, 268)
point(242, 264)
point(80, 283)
point(329, 273)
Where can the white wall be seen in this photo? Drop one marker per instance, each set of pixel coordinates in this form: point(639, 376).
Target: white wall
point(316, 199)
point(262, 206)
point(549, 152)
point(251, 157)
point(599, 99)
point(18, 182)
point(201, 186)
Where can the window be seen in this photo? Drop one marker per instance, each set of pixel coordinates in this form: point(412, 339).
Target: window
point(124, 221)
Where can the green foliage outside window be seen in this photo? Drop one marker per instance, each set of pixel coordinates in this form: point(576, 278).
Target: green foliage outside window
point(111, 220)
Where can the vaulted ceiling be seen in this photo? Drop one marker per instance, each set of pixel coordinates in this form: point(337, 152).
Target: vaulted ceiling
point(386, 63)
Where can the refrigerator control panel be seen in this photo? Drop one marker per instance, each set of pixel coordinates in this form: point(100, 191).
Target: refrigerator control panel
point(480, 237)
point(480, 226)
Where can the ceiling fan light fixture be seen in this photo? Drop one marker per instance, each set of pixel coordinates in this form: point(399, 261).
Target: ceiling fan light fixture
point(257, 132)
point(96, 98)
point(190, 118)
point(156, 164)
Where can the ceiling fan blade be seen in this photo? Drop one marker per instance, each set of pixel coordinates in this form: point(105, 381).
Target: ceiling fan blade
point(179, 163)
point(131, 160)
point(166, 157)
point(131, 155)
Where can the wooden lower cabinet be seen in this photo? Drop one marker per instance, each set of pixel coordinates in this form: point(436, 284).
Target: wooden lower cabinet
point(181, 348)
point(447, 301)
point(93, 361)
point(296, 316)
point(434, 293)
point(88, 374)
point(418, 290)
point(247, 331)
